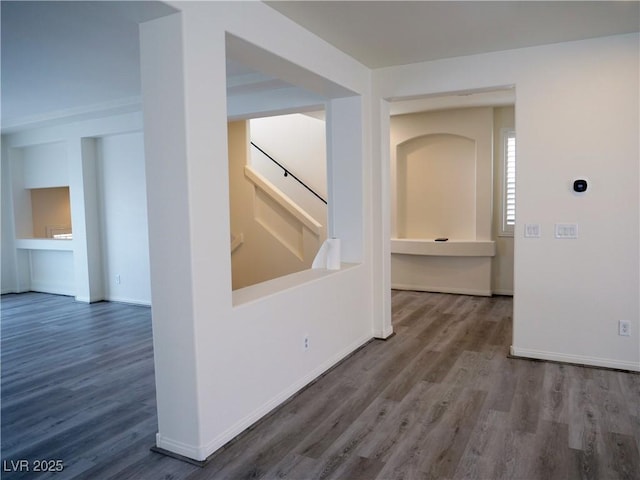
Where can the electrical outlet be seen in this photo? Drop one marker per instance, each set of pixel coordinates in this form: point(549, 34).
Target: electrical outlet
point(305, 344)
point(118, 279)
point(624, 328)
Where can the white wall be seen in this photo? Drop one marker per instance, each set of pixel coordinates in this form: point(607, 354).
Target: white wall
point(123, 214)
point(67, 154)
point(45, 165)
point(298, 142)
point(7, 225)
point(576, 116)
point(202, 401)
point(51, 271)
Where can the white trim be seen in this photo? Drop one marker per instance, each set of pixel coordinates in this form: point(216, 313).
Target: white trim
point(236, 241)
point(184, 449)
point(503, 292)
point(440, 289)
point(101, 126)
point(384, 334)
point(52, 288)
point(577, 359)
point(129, 301)
point(76, 114)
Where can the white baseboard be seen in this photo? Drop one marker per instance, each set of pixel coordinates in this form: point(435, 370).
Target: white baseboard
point(41, 287)
point(576, 359)
point(440, 289)
point(130, 301)
point(503, 292)
point(201, 452)
point(55, 290)
point(384, 334)
point(184, 449)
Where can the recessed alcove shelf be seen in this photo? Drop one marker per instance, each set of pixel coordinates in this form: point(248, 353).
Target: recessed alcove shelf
point(450, 248)
point(41, 203)
point(43, 244)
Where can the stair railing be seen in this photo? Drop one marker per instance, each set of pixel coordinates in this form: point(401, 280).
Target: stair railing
point(288, 173)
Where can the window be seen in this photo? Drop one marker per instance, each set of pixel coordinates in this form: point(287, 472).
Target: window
point(509, 183)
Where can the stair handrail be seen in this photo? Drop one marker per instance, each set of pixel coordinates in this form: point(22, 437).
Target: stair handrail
point(287, 173)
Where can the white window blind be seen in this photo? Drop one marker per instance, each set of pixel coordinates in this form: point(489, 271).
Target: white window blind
point(509, 188)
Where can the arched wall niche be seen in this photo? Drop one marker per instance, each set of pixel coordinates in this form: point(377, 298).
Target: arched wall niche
point(447, 134)
point(436, 185)
point(442, 186)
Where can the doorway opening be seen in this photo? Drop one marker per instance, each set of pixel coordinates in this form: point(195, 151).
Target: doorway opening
point(449, 193)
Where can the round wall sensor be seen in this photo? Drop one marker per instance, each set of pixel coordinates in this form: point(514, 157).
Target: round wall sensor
point(580, 186)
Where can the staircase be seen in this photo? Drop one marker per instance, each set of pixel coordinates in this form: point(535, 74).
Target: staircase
point(273, 231)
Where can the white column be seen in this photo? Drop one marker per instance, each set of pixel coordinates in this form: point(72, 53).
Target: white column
point(15, 263)
point(83, 193)
point(381, 201)
point(170, 239)
point(344, 176)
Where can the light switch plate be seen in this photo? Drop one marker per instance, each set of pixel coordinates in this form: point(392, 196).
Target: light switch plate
point(532, 230)
point(566, 230)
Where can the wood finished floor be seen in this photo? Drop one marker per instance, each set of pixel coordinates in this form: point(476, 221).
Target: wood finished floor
point(439, 400)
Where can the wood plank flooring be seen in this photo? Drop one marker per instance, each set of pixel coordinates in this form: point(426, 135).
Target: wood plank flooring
point(439, 400)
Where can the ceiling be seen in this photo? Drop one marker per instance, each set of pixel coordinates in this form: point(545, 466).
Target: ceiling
point(69, 57)
point(387, 33)
point(66, 58)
